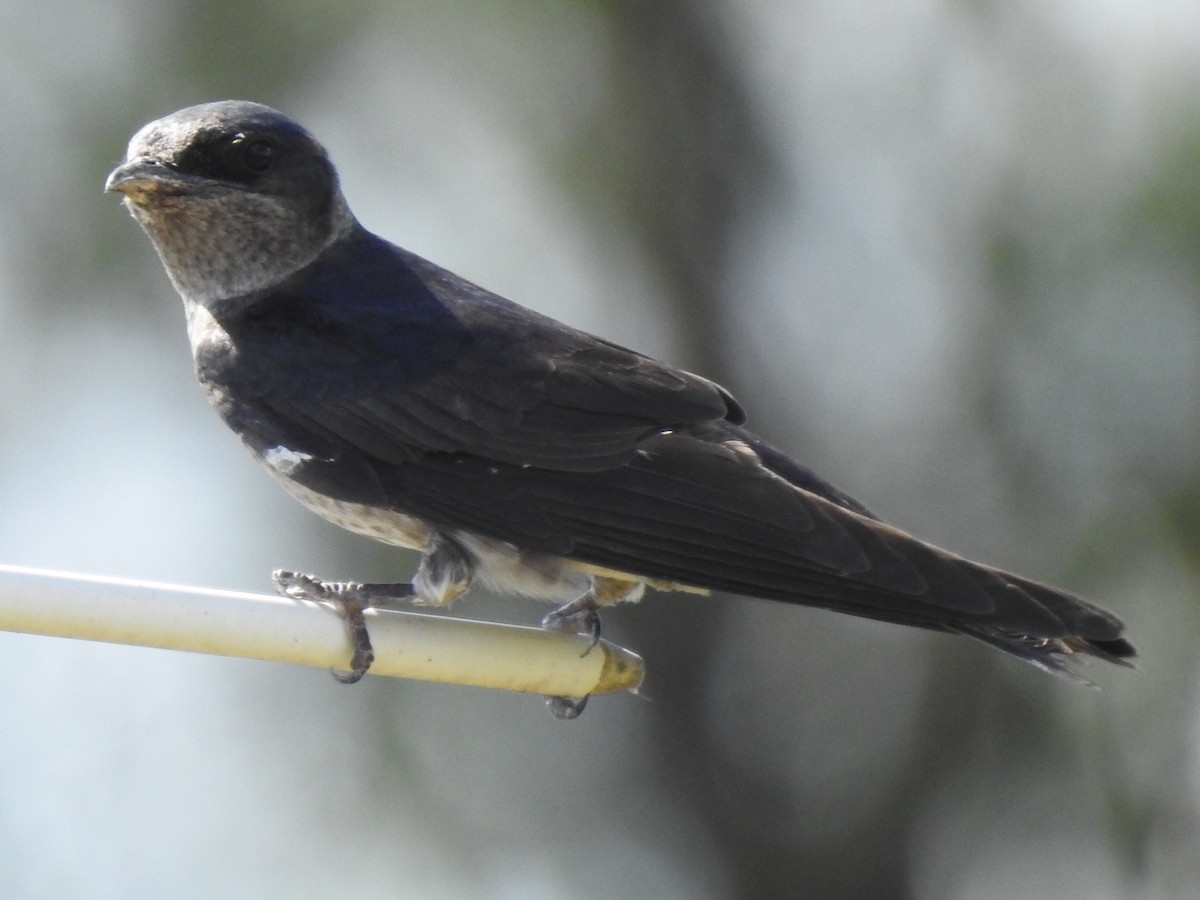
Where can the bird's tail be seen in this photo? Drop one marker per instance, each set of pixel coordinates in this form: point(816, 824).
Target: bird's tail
point(1061, 655)
point(1087, 629)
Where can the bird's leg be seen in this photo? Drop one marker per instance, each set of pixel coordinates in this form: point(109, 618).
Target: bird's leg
point(352, 598)
point(579, 616)
point(445, 572)
point(582, 616)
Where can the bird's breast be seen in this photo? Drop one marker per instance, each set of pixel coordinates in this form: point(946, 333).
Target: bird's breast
point(378, 523)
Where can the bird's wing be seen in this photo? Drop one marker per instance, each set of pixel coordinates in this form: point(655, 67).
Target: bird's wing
point(701, 507)
point(401, 362)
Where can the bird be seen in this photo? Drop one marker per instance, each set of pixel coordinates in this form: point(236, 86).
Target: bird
point(409, 405)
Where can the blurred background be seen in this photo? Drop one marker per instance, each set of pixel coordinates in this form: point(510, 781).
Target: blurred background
point(946, 253)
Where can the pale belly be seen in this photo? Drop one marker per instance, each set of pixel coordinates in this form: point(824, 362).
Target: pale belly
point(498, 565)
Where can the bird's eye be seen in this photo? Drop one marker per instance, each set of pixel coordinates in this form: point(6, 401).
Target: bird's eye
point(258, 155)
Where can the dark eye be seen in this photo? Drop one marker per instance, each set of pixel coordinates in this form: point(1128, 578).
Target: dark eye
point(258, 155)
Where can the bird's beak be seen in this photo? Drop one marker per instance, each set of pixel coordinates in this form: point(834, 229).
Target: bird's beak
point(143, 178)
point(132, 172)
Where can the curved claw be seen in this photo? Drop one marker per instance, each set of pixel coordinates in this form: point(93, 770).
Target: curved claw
point(352, 598)
point(566, 708)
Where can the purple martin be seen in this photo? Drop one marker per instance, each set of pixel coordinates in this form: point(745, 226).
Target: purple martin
point(409, 405)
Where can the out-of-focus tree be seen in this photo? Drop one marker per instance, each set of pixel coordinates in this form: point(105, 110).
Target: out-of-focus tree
point(944, 254)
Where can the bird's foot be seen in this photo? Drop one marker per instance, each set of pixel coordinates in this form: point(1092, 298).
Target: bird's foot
point(310, 587)
point(352, 598)
point(580, 616)
point(566, 708)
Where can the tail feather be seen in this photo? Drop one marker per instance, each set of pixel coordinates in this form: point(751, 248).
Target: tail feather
point(1058, 656)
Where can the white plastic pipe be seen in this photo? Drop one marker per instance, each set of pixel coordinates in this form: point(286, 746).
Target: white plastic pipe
point(278, 629)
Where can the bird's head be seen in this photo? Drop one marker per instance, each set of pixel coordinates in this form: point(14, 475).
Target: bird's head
point(234, 195)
